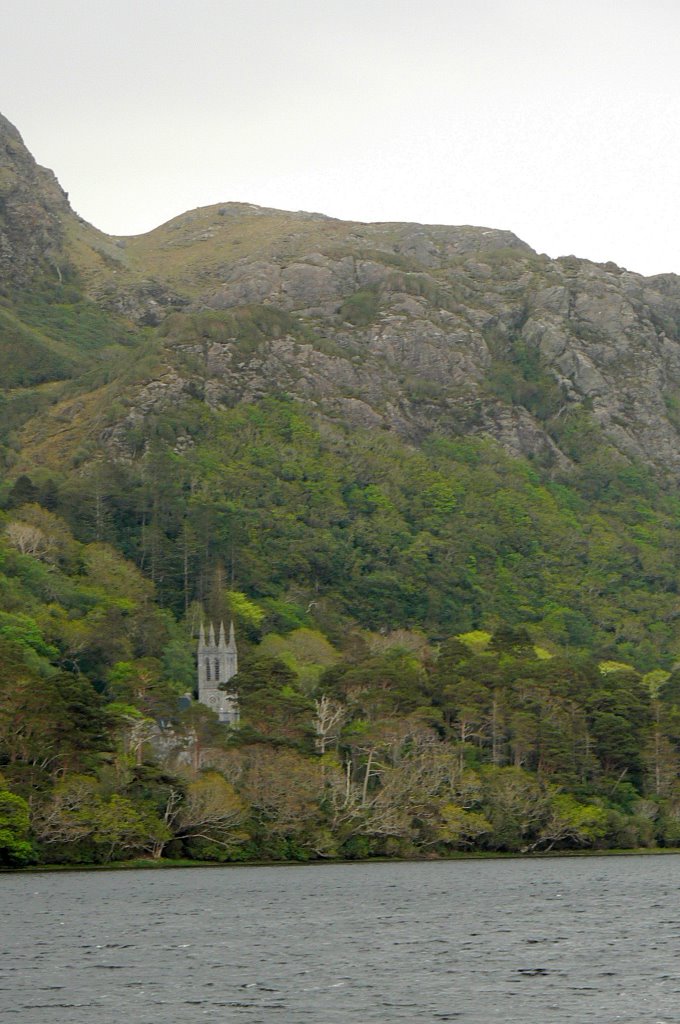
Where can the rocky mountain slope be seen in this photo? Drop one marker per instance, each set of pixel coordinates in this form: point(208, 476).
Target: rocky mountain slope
point(406, 327)
point(428, 473)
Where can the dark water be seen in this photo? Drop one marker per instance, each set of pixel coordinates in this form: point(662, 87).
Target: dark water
point(536, 942)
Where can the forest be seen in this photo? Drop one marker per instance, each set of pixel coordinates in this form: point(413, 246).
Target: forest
point(441, 649)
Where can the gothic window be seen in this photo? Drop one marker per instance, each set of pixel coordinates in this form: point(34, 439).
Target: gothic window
point(207, 669)
point(217, 670)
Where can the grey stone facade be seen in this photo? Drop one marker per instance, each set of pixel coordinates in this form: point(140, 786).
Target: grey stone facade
point(217, 664)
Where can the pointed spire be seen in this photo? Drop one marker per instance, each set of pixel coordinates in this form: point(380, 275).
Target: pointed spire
point(201, 636)
point(223, 642)
point(211, 635)
point(232, 636)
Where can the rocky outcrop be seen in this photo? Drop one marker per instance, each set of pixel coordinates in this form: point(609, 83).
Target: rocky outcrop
point(609, 339)
point(409, 327)
point(32, 204)
point(387, 341)
point(41, 234)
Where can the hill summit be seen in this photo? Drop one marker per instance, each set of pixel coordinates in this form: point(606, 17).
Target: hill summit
point(428, 473)
point(403, 326)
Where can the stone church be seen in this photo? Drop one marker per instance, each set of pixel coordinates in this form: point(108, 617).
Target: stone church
point(217, 664)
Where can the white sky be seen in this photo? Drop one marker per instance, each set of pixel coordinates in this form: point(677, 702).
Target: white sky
point(557, 119)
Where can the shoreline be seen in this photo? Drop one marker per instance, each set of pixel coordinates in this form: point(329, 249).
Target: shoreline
point(147, 864)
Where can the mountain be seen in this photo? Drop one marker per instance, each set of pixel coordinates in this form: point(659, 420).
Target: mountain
point(396, 339)
point(429, 473)
point(405, 327)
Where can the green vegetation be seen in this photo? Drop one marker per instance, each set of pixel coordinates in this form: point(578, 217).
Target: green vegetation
point(442, 649)
point(61, 311)
point(29, 357)
point(52, 333)
point(518, 377)
point(382, 745)
point(361, 308)
point(361, 529)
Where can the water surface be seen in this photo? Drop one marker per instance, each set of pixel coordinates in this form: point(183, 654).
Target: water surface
point(525, 941)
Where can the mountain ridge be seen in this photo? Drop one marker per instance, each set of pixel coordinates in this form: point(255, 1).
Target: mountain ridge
point(430, 474)
point(408, 327)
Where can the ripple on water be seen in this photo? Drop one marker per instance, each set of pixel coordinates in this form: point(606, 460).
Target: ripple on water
point(523, 942)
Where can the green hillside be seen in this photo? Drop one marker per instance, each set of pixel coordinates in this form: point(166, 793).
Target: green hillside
point(430, 475)
point(486, 650)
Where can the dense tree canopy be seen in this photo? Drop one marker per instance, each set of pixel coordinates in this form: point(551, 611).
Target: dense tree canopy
point(442, 648)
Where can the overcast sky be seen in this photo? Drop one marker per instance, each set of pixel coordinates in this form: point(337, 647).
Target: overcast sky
point(557, 119)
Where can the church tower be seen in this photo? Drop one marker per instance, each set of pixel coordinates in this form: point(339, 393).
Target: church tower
point(217, 663)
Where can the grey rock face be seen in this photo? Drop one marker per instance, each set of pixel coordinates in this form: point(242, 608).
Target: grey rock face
point(31, 205)
point(412, 337)
point(469, 299)
point(406, 327)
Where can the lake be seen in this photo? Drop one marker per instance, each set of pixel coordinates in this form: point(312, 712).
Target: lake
point(529, 941)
